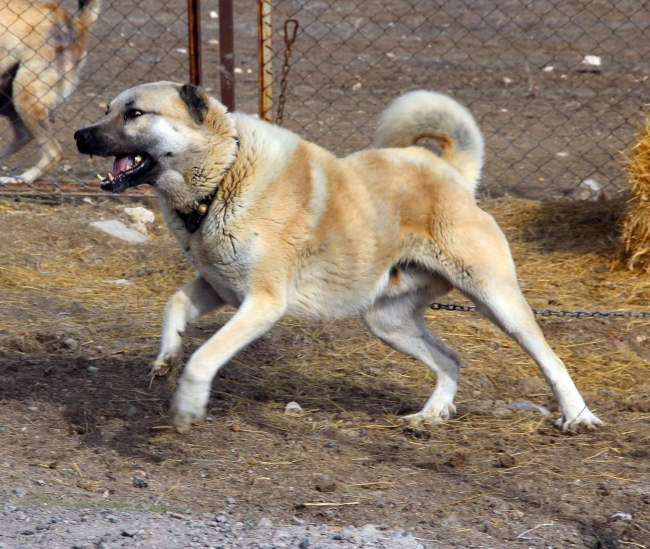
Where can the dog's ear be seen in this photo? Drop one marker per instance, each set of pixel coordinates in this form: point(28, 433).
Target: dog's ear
point(196, 100)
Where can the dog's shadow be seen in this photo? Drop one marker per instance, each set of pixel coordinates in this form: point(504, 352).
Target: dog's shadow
point(574, 226)
point(114, 406)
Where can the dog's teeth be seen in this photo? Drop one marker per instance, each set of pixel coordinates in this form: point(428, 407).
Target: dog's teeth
point(138, 159)
point(100, 177)
point(110, 177)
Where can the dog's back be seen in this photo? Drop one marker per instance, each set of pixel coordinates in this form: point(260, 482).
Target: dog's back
point(419, 114)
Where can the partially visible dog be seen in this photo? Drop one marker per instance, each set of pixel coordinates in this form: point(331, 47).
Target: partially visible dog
point(42, 50)
point(278, 226)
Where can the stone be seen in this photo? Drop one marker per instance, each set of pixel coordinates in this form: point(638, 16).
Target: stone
point(264, 523)
point(590, 190)
point(326, 485)
point(590, 63)
point(293, 409)
point(71, 344)
point(458, 459)
point(529, 386)
point(119, 230)
point(139, 482)
point(507, 461)
point(527, 405)
point(369, 529)
point(140, 217)
point(20, 492)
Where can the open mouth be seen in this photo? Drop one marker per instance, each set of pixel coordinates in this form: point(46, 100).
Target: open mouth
point(126, 172)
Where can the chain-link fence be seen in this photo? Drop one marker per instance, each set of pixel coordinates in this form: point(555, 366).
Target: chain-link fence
point(42, 49)
point(551, 119)
point(558, 86)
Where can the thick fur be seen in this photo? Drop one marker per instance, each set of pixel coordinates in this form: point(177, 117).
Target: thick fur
point(294, 230)
point(42, 50)
point(422, 113)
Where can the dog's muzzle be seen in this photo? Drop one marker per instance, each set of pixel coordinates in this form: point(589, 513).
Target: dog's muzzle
point(84, 139)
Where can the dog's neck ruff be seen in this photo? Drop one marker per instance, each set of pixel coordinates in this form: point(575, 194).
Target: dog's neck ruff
point(193, 220)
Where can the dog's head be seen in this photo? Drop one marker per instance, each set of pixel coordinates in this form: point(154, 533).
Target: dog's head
point(173, 137)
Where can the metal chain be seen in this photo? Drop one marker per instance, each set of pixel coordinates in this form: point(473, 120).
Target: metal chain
point(550, 312)
point(289, 39)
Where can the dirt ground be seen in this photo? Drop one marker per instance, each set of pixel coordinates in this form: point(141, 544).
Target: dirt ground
point(546, 130)
point(80, 317)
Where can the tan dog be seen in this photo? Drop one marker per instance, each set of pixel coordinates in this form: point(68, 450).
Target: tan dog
point(278, 226)
point(42, 50)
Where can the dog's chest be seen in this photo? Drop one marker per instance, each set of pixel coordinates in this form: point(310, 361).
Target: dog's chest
point(221, 257)
point(223, 264)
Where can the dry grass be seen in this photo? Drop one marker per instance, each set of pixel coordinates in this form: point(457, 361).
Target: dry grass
point(55, 275)
point(636, 222)
point(567, 255)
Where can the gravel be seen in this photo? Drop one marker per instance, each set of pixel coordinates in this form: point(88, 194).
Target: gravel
point(29, 527)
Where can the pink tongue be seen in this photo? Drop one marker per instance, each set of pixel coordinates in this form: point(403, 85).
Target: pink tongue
point(122, 163)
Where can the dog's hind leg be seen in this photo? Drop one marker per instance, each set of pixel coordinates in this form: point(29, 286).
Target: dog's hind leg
point(32, 106)
point(501, 301)
point(399, 322)
point(482, 269)
point(193, 300)
point(21, 135)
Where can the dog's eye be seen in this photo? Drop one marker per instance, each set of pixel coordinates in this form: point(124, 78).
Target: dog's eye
point(133, 113)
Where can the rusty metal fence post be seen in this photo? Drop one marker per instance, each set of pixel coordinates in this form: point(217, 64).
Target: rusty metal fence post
point(194, 38)
point(265, 59)
point(227, 54)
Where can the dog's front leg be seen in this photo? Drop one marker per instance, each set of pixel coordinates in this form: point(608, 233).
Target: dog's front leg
point(257, 314)
point(193, 300)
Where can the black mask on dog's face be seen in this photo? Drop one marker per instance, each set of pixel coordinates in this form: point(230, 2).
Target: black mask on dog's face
point(171, 136)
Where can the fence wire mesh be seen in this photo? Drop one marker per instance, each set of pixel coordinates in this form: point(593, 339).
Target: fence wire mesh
point(558, 86)
point(41, 49)
point(551, 120)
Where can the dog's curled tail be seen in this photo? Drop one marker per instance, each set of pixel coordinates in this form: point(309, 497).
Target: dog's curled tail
point(419, 114)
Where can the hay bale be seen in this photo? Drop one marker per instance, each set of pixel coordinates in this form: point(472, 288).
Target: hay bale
point(636, 221)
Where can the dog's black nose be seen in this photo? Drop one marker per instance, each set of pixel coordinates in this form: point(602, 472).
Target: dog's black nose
point(81, 136)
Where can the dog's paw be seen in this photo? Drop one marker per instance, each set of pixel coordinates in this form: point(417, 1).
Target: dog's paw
point(189, 405)
point(437, 414)
point(584, 420)
point(168, 364)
